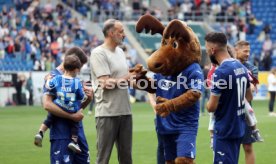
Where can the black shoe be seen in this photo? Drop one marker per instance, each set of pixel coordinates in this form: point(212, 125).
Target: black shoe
point(257, 136)
point(74, 147)
point(38, 139)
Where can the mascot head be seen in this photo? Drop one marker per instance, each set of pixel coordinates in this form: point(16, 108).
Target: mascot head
point(179, 45)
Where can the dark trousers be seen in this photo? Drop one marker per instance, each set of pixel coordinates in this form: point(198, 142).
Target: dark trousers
point(160, 150)
point(271, 100)
point(18, 97)
point(31, 102)
point(118, 130)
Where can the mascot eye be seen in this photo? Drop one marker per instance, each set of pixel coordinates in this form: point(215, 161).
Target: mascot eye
point(175, 44)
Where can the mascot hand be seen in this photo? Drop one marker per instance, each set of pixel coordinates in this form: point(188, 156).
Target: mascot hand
point(163, 106)
point(138, 72)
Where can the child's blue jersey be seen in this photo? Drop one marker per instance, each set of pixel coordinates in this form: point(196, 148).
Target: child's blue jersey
point(230, 81)
point(61, 128)
point(169, 87)
point(69, 92)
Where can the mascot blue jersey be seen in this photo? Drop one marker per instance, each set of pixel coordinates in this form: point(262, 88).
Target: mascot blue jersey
point(69, 92)
point(185, 120)
point(230, 83)
point(61, 127)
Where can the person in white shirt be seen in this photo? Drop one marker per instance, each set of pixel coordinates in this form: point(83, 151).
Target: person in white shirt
point(272, 90)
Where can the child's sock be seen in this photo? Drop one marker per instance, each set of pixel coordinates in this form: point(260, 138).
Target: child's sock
point(75, 139)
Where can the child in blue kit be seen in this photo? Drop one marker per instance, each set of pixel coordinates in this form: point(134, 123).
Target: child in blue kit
point(69, 95)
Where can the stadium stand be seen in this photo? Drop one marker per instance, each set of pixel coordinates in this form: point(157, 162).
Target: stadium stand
point(251, 20)
point(34, 37)
point(25, 39)
point(264, 11)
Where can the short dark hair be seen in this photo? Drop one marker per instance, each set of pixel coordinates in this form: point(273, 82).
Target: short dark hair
point(109, 24)
point(78, 52)
point(71, 62)
point(242, 43)
point(217, 38)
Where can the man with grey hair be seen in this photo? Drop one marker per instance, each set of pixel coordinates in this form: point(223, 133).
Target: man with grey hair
point(110, 78)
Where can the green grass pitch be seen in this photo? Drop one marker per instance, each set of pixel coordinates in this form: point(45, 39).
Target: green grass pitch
point(18, 126)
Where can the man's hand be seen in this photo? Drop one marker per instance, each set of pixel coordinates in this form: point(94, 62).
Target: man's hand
point(88, 92)
point(138, 72)
point(78, 116)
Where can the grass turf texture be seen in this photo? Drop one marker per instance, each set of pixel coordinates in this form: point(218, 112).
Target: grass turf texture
point(18, 125)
